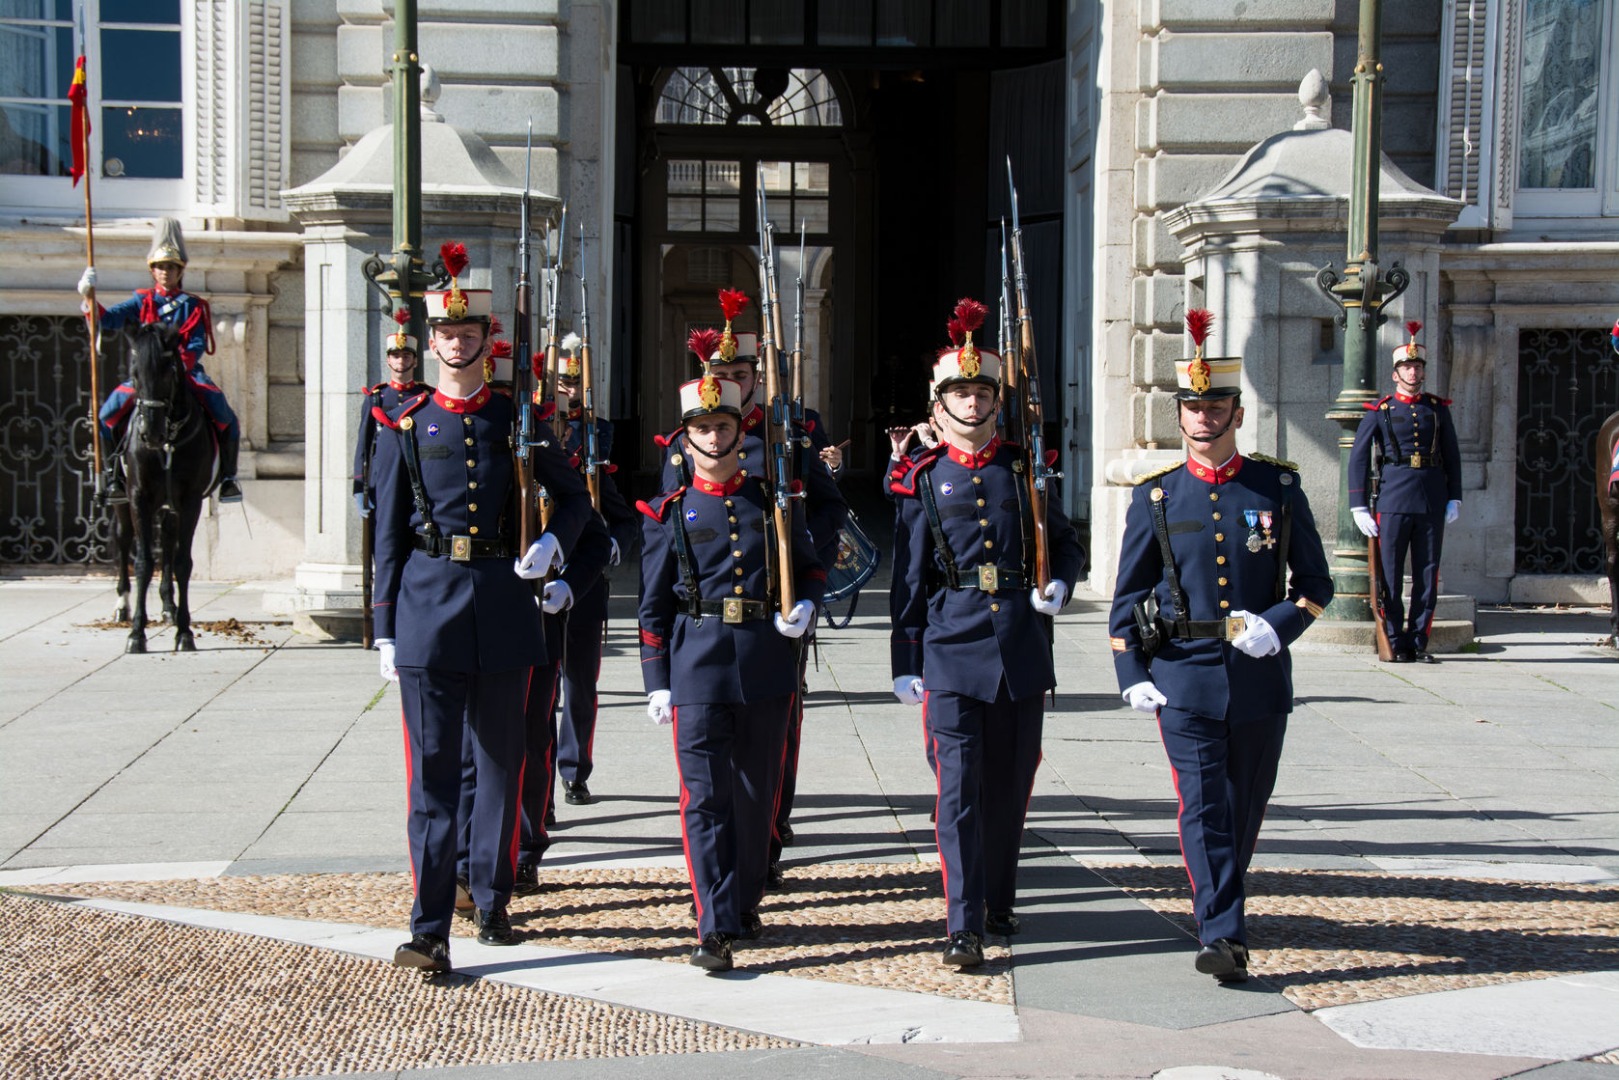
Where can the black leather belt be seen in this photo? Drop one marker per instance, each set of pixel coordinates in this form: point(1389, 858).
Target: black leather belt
point(988, 578)
point(1227, 629)
point(462, 548)
point(1417, 461)
point(733, 610)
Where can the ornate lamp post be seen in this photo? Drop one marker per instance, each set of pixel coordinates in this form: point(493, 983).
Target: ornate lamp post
point(401, 277)
point(1361, 294)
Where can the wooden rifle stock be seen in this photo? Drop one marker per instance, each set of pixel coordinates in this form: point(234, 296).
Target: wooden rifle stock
point(589, 450)
point(778, 421)
point(1374, 566)
point(1023, 401)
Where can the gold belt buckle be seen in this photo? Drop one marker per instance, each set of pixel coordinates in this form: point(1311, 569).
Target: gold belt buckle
point(731, 610)
point(1234, 626)
point(989, 578)
point(460, 549)
point(1416, 461)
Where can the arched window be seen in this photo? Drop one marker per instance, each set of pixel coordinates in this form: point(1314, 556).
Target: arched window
point(773, 97)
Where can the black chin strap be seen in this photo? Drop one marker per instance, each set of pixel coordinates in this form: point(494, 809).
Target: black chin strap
point(458, 366)
point(735, 442)
point(964, 423)
point(1207, 438)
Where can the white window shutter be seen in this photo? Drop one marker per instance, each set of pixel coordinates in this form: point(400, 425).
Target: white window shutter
point(1467, 143)
point(239, 150)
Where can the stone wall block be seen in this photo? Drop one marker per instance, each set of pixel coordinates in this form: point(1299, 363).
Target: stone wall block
point(1160, 420)
point(1166, 181)
point(1220, 60)
point(500, 114)
point(1279, 14)
point(362, 54)
point(1213, 123)
point(1158, 300)
point(489, 10)
point(1153, 356)
point(464, 51)
point(359, 110)
point(1152, 246)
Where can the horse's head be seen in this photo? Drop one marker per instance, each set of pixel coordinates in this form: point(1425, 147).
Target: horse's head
point(158, 373)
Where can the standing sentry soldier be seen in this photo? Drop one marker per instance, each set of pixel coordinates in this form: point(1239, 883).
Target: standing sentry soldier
point(457, 628)
point(1220, 570)
point(1419, 492)
point(972, 637)
point(166, 302)
point(720, 661)
point(400, 386)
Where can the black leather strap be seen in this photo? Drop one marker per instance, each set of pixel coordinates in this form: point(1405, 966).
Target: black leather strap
point(1160, 528)
point(930, 507)
point(418, 490)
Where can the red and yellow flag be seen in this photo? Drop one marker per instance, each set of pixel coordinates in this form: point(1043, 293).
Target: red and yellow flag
point(78, 94)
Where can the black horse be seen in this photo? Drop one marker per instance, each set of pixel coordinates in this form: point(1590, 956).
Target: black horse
point(169, 462)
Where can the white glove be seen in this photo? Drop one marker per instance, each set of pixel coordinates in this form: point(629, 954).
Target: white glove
point(798, 620)
point(614, 557)
point(1258, 639)
point(1145, 697)
point(558, 597)
point(1051, 601)
point(87, 282)
point(385, 646)
point(658, 707)
point(361, 504)
point(1364, 521)
point(541, 556)
point(909, 689)
point(1453, 510)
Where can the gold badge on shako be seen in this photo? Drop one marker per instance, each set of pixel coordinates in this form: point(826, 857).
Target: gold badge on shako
point(708, 393)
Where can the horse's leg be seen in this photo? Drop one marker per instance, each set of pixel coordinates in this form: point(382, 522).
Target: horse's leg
point(185, 528)
point(165, 589)
point(123, 538)
point(141, 511)
point(1610, 536)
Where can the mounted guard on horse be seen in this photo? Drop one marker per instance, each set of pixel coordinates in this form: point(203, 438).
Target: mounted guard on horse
point(189, 315)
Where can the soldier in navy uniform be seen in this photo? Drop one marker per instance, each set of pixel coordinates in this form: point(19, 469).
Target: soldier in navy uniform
point(734, 355)
point(719, 660)
point(972, 633)
point(1412, 436)
point(585, 607)
point(399, 387)
point(166, 302)
point(1200, 641)
point(456, 620)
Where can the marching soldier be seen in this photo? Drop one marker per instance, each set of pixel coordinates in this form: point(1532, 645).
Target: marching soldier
point(457, 628)
point(584, 608)
point(1220, 570)
point(398, 387)
point(734, 355)
point(1419, 492)
point(720, 661)
point(972, 637)
point(167, 302)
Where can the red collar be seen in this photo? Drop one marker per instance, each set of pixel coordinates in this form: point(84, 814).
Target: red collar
point(576, 412)
point(402, 387)
point(1215, 476)
point(975, 461)
point(462, 405)
point(754, 418)
point(730, 487)
point(1405, 399)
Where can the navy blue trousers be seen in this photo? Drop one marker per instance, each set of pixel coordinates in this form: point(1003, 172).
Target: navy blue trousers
point(1422, 538)
point(729, 756)
point(1225, 771)
point(539, 765)
point(440, 708)
point(984, 755)
point(789, 767)
point(585, 628)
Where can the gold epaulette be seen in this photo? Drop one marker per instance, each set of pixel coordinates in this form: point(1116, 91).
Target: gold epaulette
point(1278, 462)
point(1162, 470)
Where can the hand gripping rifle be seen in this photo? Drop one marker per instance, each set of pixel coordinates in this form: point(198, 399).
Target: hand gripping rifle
point(1026, 414)
point(529, 512)
point(778, 421)
point(590, 461)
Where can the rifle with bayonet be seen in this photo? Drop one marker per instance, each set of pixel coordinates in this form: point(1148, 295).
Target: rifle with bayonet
point(1374, 559)
point(553, 346)
point(530, 524)
point(589, 447)
point(1025, 409)
point(799, 433)
point(778, 419)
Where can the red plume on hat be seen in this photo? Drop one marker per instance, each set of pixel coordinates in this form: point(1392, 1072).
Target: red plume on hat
point(454, 256)
point(1412, 329)
point(495, 328)
point(732, 301)
point(536, 364)
point(969, 316)
point(402, 316)
point(500, 349)
point(1199, 321)
point(703, 341)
